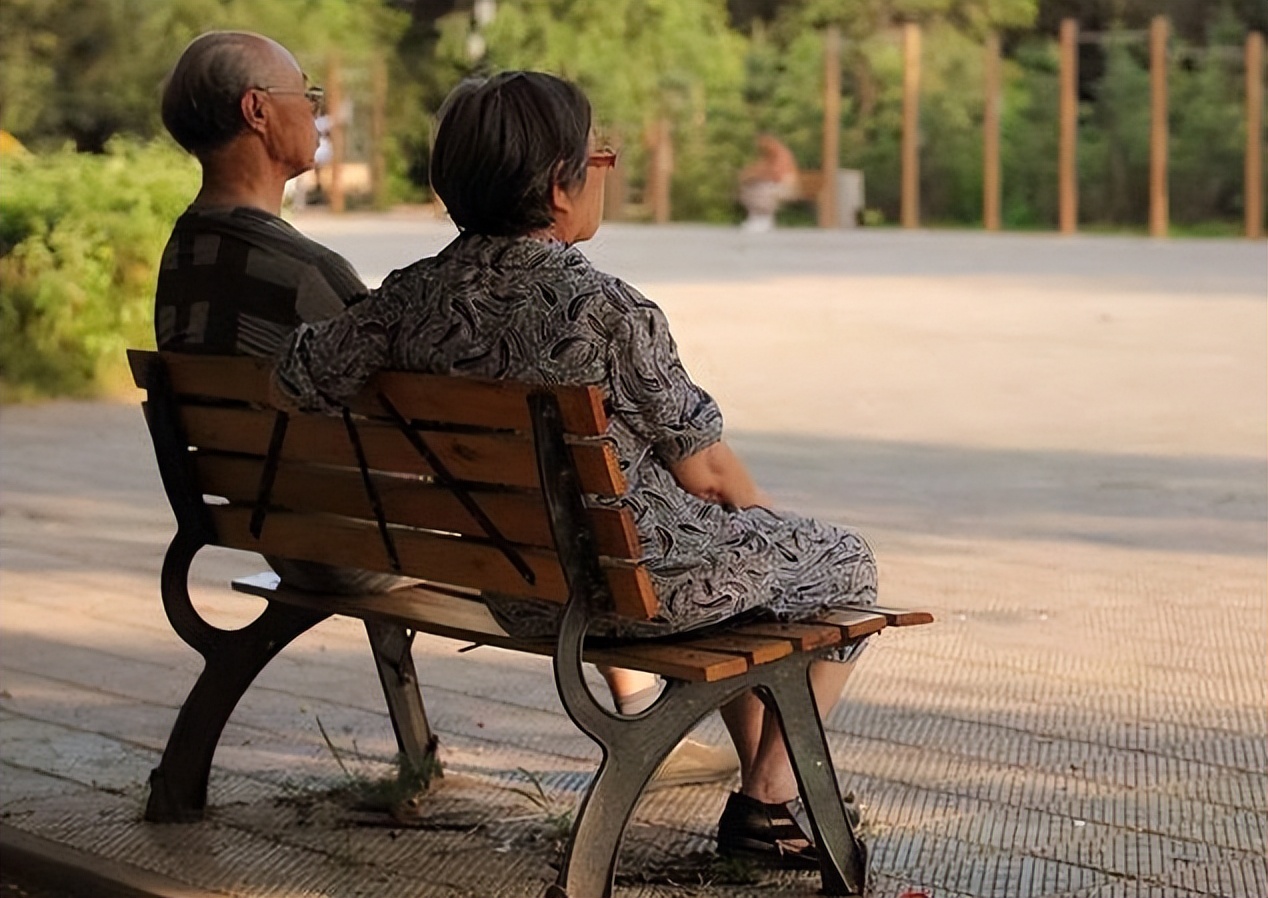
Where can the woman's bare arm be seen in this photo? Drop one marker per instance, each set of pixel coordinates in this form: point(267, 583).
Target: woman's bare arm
point(716, 474)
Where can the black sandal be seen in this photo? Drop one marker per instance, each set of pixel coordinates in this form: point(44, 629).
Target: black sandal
point(777, 835)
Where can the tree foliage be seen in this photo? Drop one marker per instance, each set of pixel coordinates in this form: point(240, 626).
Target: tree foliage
point(638, 61)
point(87, 71)
point(718, 70)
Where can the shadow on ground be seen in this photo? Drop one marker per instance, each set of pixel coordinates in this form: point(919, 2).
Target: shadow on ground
point(1187, 504)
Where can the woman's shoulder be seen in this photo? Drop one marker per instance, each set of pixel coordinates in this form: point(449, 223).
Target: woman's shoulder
point(411, 279)
point(619, 295)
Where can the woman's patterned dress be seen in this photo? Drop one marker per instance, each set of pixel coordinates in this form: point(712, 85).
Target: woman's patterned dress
point(537, 311)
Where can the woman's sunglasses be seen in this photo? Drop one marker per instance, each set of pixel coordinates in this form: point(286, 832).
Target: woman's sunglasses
point(604, 158)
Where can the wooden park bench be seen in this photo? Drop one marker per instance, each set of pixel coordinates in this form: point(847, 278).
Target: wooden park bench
point(810, 184)
point(472, 486)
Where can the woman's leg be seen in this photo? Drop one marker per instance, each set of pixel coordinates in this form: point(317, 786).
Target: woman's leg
point(765, 771)
point(691, 762)
point(633, 691)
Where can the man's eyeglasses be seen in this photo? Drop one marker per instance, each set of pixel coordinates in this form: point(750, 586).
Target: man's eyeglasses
point(316, 96)
point(604, 158)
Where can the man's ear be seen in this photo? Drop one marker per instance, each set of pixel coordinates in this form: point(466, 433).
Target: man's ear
point(255, 111)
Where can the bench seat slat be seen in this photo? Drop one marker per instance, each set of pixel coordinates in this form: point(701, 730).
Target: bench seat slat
point(756, 649)
point(900, 617)
point(477, 402)
point(855, 623)
point(506, 459)
point(416, 607)
point(468, 620)
point(679, 662)
point(520, 516)
point(461, 562)
point(805, 636)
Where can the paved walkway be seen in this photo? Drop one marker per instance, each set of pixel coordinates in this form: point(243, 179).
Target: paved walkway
point(1058, 446)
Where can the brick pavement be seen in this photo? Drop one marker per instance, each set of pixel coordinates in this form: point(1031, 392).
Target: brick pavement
point(1062, 457)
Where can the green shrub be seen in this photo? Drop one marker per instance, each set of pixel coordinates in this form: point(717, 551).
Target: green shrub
point(80, 240)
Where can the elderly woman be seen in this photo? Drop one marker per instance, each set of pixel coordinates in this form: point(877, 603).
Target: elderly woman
point(513, 297)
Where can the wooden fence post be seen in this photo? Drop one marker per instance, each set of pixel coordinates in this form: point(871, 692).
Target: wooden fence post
point(662, 170)
point(827, 199)
point(334, 110)
point(1254, 134)
point(1067, 175)
point(1158, 198)
point(911, 126)
point(990, 136)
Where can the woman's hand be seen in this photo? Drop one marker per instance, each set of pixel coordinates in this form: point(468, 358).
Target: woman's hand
point(717, 475)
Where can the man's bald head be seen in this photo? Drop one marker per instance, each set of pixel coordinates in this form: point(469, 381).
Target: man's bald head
point(203, 92)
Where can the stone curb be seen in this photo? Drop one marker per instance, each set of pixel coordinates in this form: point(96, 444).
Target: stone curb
point(60, 867)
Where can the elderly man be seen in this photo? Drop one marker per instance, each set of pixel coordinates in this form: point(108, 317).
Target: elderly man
point(237, 279)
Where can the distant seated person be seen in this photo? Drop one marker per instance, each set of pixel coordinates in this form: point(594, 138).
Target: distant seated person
point(767, 183)
point(513, 297)
point(300, 188)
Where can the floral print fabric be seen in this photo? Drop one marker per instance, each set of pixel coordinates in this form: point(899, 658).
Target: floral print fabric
point(537, 311)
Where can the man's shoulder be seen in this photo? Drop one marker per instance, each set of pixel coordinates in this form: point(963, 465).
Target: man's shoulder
point(269, 247)
point(252, 226)
point(236, 280)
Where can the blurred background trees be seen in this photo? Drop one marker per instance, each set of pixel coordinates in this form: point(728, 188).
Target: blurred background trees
point(687, 83)
point(716, 71)
point(87, 71)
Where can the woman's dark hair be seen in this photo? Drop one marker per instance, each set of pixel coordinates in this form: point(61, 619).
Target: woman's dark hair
point(502, 144)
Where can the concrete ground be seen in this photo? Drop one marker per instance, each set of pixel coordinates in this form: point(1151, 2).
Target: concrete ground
point(1056, 445)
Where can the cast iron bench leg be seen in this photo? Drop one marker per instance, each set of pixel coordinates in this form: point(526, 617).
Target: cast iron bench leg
point(589, 865)
point(178, 786)
point(632, 750)
point(414, 738)
point(842, 860)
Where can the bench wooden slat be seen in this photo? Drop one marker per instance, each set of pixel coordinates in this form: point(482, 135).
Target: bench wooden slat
point(805, 636)
point(483, 403)
point(854, 624)
point(756, 649)
point(520, 516)
point(450, 400)
point(679, 662)
point(809, 184)
point(468, 620)
point(451, 560)
point(416, 607)
point(484, 458)
point(900, 617)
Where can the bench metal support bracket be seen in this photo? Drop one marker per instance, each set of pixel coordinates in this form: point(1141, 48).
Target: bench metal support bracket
point(232, 660)
point(633, 747)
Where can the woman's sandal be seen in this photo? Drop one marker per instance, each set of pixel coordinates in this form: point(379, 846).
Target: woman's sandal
point(777, 835)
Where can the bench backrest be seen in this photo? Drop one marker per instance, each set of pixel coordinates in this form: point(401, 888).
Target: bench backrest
point(428, 476)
